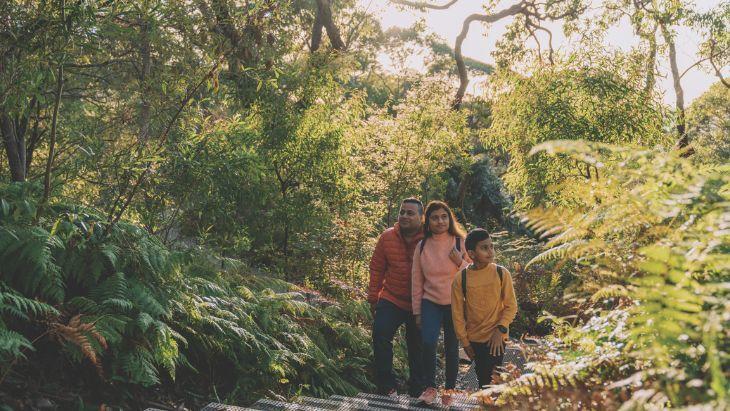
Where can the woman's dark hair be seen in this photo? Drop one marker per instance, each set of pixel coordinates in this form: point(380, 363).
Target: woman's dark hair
point(474, 237)
point(455, 228)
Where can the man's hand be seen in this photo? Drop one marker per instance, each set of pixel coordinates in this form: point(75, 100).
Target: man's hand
point(455, 256)
point(469, 350)
point(418, 320)
point(496, 343)
point(372, 310)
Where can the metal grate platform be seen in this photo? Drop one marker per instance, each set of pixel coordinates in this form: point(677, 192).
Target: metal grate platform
point(373, 402)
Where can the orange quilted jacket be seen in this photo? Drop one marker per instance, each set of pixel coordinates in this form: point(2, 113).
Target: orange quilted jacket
point(390, 268)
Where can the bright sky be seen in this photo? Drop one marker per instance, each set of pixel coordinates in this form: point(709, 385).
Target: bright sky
point(447, 24)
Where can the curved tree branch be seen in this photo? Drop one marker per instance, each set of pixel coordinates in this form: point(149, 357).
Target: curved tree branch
point(324, 14)
point(458, 56)
point(550, 40)
point(710, 59)
point(714, 66)
point(424, 5)
point(718, 73)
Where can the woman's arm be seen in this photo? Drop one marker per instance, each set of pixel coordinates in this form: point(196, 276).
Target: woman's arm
point(417, 281)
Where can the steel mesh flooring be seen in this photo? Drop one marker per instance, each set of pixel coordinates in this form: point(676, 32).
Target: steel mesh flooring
point(370, 402)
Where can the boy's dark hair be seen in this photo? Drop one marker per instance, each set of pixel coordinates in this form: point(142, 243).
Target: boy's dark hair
point(474, 237)
point(414, 200)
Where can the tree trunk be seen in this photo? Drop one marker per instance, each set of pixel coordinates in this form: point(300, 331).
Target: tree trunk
point(324, 12)
point(14, 141)
point(682, 141)
point(651, 64)
point(460, 65)
point(144, 78)
point(52, 143)
point(316, 32)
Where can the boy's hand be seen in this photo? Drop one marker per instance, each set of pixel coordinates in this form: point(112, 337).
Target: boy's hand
point(418, 320)
point(496, 343)
point(455, 256)
point(469, 350)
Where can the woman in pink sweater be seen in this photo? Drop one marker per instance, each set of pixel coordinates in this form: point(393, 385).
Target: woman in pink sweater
point(436, 260)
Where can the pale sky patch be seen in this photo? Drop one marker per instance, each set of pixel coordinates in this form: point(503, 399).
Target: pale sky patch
point(478, 45)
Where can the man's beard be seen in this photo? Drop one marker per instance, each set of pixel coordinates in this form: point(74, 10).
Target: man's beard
point(410, 231)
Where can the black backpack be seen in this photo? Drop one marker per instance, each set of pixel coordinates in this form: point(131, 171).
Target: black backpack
point(463, 284)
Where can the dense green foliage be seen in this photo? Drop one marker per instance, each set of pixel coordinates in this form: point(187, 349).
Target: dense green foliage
point(651, 244)
point(591, 104)
point(125, 311)
point(709, 119)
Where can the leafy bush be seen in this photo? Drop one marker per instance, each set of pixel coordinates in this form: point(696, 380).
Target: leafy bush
point(539, 288)
point(651, 241)
point(565, 102)
point(109, 312)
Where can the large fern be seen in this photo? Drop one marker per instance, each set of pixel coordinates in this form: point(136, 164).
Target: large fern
point(139, 315)
point(652, 230)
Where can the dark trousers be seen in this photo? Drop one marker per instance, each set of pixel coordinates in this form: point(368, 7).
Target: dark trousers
point(433, 317)
point(485, 362)
point(388, 318)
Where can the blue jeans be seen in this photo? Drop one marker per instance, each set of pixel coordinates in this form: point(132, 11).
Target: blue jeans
point(388, 318)
point(432, 317)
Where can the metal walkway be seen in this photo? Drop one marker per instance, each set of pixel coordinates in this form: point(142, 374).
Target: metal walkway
point(370, 402)
point(361, 402)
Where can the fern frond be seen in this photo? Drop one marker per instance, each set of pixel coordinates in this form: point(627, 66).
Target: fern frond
point(111, 252)
point(610, 291)
point(139, 367)
point(115, 287)
point(78, 334)
point(557, 253)
point(145, 301)
point(12, 345)
point(22, 306)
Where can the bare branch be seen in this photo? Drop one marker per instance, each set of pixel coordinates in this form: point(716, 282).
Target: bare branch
point(719, 74)
point(550, 40)
point(486, 18)
point(324, 12)
point(52, 143)
point(114, 215)
point(714, 66)
point(54, 122)
point(424, 5)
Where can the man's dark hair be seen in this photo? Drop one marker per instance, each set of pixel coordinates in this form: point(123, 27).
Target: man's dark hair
point(474, 237)
point(414, 200)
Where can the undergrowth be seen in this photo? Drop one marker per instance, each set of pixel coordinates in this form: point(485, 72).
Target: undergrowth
point(92, 314)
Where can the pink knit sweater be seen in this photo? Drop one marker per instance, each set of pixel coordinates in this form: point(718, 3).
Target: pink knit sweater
point(433, 270)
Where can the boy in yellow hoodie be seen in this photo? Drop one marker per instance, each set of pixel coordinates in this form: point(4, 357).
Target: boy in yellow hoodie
point(483, 305)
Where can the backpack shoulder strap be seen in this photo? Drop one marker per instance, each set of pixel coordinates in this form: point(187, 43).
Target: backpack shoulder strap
point(501, 274)
point(463, 290)
point(463, 283)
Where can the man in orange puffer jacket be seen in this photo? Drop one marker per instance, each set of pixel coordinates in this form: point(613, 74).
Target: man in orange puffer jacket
point(389, 296)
